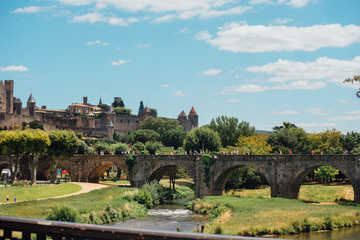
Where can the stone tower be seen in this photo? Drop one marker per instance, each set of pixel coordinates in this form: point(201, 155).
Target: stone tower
point(193, 118)
point(9, 97)
point(17, 106)
point(31, 106)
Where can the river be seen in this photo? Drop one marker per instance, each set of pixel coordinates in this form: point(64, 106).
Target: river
point(167, 217)
point(172, 215)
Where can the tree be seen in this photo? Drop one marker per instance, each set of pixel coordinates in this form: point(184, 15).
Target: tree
point(122, 111)
point(104, 107)
point(173, 138)
point(325, 173)
point(153, 112)
point(35, 124)
point(256, 144)
point(153, 146)
point(62, 143)
point(285, 125)
point(352, 80)
point(141, 107)
point(229, 129)
point(120, 148)
point(289, 137)
point(143, 135)
point(37, 142)
point(160, 124)
point(202, 138)
point(14, 143)
point(102, 146)
point(245, 177)
point(350, 141)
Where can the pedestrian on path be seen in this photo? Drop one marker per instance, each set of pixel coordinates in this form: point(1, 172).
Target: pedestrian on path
point(198, 228)
point(15, 198)
point(7, 197)
point(202, 228)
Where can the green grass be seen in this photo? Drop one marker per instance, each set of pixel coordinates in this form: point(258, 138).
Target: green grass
point(253, 212)
point(316, 193)
point(84, 204)
point(37, 191)
point(120, 183)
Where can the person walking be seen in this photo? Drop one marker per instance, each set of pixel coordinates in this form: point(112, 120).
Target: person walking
point(7, 197)
point(202, 228)
point(14, 198)
point(198, 228)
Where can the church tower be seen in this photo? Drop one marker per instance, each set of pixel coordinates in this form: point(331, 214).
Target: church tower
point(31, 106)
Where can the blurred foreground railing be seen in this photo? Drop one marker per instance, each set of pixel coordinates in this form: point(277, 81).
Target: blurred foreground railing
point(21, 228)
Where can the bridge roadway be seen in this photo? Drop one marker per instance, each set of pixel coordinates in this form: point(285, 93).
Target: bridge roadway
point(284, 173)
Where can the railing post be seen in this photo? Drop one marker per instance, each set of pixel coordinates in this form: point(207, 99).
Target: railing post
point(26, 235)
point(40, 236)
point(7, 233)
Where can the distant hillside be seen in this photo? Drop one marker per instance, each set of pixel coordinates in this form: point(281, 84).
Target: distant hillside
point(262, 131)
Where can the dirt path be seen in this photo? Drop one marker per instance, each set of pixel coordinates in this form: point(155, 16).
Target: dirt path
point(85, 187)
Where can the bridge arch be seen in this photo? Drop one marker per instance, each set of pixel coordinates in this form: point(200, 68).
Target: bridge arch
point(303, 172)
point(223, 170)
point(98, 170)
point(160, 171)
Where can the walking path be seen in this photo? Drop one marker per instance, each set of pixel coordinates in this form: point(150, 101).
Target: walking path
point(85, 187)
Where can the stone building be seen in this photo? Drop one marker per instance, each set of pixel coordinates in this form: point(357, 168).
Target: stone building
point(83, 117)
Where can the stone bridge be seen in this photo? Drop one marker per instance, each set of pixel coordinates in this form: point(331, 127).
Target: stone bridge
point(284, 173)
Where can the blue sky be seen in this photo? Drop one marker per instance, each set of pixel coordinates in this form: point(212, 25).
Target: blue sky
point(262, 61)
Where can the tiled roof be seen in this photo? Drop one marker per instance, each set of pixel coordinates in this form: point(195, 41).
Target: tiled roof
point(182, 114)
point(192, 112)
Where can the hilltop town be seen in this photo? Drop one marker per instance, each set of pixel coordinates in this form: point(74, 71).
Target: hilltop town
point(85, 118)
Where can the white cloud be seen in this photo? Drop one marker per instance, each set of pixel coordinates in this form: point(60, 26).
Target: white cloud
point(33, 9)
point(318, 111)
point(345, 118)
point(353, 113)
point(281, 21)
point(235, 100)
point(14, 68)
point(240, 37)
point(212, 72)
point(120, 62)
point(297, 85)
point(183, 31)
point(118, 48)
point(323, 68)
point(343, 101)
point(144, 45)
point(165, 85)
point(178, 94)
point(97, 43)
point(292, 3)
point(98, 17)
point(261, 2)
point(316, 125)
point(295, 3)
point(285, 112)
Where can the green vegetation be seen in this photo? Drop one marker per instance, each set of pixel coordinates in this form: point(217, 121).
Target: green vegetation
point(253, 216)
point(33, 192)
point(201, 139)
point(99, 207)
point(160, 124)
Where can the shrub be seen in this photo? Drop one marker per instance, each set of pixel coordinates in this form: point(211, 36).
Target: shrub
point(63, 214)
point(144, 197)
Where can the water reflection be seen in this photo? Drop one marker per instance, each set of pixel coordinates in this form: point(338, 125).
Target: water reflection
point(343, 234)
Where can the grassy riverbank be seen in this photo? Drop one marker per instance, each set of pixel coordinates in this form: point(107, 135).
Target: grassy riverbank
point(32, 192)
point(253, 213)
point(92, 207)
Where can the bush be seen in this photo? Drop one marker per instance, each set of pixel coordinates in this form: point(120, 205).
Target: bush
point(63, 214)
point(120, 148)
point(144, 197)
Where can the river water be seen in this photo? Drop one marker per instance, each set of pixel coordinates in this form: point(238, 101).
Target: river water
point(167, 217)
point(172, 215)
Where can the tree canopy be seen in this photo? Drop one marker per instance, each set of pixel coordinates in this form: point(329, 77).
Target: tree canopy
point(122, 111)
point(143, 135)
point(173, 138)
point(160, 124)
point(202, 138)
point(230, 129)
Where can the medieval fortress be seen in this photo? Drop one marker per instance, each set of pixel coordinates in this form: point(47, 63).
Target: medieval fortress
point(82, 117)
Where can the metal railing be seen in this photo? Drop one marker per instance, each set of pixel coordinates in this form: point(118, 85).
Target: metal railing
point(22, 228)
